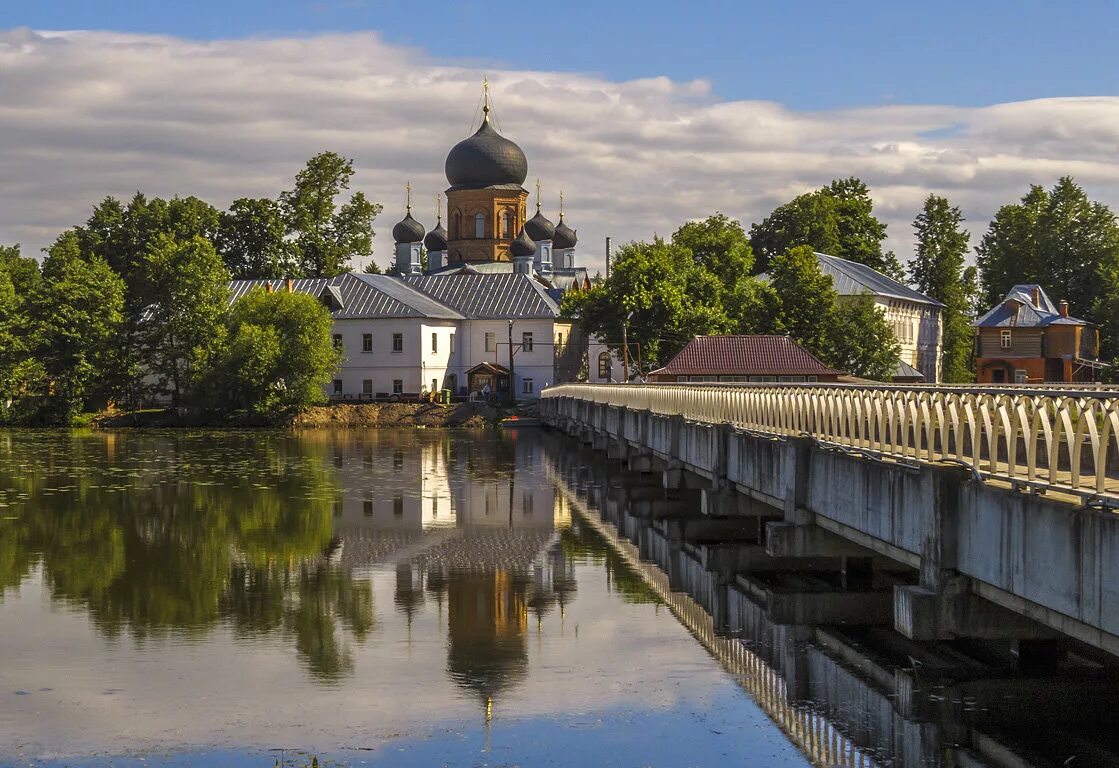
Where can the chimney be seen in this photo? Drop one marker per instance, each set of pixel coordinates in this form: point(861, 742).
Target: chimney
point(289, 284)
point(1037, 297)
point(1062, 307)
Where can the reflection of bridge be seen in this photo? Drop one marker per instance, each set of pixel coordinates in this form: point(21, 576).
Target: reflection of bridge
point(854, 695)
point(991, 506)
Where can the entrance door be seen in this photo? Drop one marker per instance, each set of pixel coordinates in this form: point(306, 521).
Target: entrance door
point(998, 376)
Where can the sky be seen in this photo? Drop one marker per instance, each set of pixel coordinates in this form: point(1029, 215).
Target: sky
point(645, 115)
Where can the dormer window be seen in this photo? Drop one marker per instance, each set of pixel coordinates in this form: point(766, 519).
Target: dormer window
point(1004, 339)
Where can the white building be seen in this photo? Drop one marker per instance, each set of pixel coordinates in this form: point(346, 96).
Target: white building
point(401, 337)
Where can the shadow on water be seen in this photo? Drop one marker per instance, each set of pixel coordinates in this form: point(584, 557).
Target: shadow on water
point(854, 694)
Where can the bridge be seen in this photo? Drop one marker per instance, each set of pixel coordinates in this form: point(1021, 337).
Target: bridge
point(993, 513)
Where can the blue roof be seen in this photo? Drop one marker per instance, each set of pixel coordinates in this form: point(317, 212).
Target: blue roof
point(1018, 310)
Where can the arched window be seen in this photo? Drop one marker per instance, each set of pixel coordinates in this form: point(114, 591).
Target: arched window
point(456, 226)
point(507, 225)
point(604, 365)
point(479, 225)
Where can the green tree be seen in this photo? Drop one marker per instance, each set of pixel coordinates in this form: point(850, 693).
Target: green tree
point(860, 341)
point(806, 297)
point(76, 321)
point(371, 268)
point(327, 237)
point(279, 354)
point(19, 370)
point(657, 296)
point(719, 245)
point(938, 270)
point(1065, 242)
point(183, 324)
point(837, 219)
point(251, 240)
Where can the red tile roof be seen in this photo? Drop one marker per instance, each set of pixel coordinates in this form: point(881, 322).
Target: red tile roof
point(745, 356)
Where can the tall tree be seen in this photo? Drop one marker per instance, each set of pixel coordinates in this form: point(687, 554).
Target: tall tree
point(1065, 242)
point(328, 237)
point(837, 219)
point(19, 276)
point(807, 298)
point(183, 324)
point(938, 270)
point(78, 312)
point(251, 240)
point(719, 245)
point(860, 341)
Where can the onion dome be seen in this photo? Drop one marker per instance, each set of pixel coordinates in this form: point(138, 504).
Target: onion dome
point(436, 239)
point(522, 247)
point(565, 236)
point(486, 159)
point(539, 228)
point(408, 230)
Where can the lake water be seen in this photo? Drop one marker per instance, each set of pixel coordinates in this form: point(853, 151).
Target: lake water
point(403, 598)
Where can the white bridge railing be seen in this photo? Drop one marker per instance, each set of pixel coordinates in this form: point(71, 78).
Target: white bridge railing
point(1061, 437)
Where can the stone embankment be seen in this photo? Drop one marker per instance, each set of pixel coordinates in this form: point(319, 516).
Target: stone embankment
point(340, 415)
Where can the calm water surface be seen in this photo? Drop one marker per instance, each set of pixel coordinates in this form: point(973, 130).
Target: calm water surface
point(406, 598)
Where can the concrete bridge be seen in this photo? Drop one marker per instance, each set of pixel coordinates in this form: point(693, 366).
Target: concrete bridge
point(991, 512)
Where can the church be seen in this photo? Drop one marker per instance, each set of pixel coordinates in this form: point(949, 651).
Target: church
point(469, 309)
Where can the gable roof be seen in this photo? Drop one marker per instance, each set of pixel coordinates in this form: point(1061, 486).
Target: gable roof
point(1017, 310)
point(484, 297)
point(359, 296)
point(851, 278)
point(745, 356)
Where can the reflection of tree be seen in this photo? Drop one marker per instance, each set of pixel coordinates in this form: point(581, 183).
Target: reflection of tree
point(584, 545)
point(177, 533)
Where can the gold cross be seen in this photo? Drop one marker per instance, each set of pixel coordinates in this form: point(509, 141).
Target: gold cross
point(438, 207)
point(408, 189)
point(561, 203)
point(485, 94)
point(538, 194)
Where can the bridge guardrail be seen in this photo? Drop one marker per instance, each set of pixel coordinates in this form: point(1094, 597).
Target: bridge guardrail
point(1060, 438)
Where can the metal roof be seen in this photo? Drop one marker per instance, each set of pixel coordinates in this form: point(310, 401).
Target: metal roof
point(359, 296)
point(851, 278)
point(490, 296)
point(1017, 310)
point(906, 371)
point(745, 356)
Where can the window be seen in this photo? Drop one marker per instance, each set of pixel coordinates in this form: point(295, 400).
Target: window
point(435, 385)
point(398, 342)
point(1019, 376)
point(337, 341)
point(526, 386)
point(1004, 339)
point(337, 386)
point(491, 341)
point(479, 225)
point(367, 386)
point(456, 227)
point(398, 386)
point(526, 341)
point(507, 225)
point(604, 365)
point(366, 342)
point(434, 342)
point(452, 343)
point(559, 343)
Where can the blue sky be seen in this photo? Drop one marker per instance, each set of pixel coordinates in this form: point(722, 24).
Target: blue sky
point(805, 55)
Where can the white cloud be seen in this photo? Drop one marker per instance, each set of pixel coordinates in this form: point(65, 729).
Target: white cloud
point(84, 115)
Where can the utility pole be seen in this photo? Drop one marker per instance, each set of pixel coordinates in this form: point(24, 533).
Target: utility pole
point(512, 378)
point(625, 352)
point(608, 257)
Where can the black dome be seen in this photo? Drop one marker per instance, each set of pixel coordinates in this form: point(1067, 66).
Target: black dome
point(408, 230)
point(523, 245)
point(486, 159)
point(436, 239)
point(565, 236)
point(539, 228)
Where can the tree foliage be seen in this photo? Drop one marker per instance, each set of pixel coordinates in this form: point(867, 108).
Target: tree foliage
point(837, 219)
point(938, 270)
point(252, 240)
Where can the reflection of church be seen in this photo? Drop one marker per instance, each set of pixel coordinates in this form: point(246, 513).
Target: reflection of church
point(488, 230)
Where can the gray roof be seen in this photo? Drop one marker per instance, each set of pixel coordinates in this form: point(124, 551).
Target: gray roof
point(1017, 310)
point(360, 296)
point(851, 278)
point(906, 371)
point(481, 297)
point(486, 159)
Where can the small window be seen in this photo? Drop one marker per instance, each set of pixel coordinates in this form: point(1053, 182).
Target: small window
point(434, 342)
point(366, 342)
point(435, 385)
point(452, 343)
point(479, 225)
point(507, 225)
point(398, 342)
point(337, 341)
point(1019, 376)
point(367, 386)
point(526, 386)
point(604, 365)
point(337, 386)
point(559, 343)
point(456, 228)
point(526, 341)
point(1004, 339)
point(491, 341)
point(398, 386)
point(398, 506)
